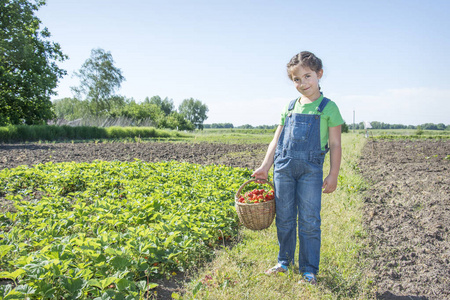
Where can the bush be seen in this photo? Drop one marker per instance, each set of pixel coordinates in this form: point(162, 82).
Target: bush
point(344, 128)
point(419, 130)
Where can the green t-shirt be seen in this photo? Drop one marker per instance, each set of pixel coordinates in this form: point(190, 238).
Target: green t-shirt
point(330, 117)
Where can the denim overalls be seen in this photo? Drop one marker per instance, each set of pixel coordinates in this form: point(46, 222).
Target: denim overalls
point(298, 179)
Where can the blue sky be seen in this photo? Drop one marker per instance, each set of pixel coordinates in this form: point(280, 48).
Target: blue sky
point(387, 60)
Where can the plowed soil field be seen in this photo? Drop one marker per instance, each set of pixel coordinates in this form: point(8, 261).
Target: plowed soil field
point(247, 156)
point(407, 211)
point(407, 207)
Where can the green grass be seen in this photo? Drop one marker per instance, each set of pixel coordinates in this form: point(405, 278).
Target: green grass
point(238, 272)
point(234, 136)
point(23, 133)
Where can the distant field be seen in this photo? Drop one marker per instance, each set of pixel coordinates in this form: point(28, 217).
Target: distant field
point(404, 132)
point(239, 136)
point(234, 136)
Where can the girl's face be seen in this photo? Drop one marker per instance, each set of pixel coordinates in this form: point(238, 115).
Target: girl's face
point(306, 81)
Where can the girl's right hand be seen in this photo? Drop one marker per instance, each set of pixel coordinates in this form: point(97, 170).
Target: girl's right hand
point(260, 173)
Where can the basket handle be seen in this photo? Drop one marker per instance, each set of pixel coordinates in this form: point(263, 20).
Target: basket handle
point(262, 181)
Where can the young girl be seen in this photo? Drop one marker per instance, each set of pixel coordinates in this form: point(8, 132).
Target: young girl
point(310, 126)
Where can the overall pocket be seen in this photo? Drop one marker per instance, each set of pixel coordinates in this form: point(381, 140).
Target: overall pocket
point(317, 157)
point(300, 130)
point(277, 154)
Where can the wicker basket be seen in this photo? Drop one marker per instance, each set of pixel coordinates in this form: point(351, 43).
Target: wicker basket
point(255, 216)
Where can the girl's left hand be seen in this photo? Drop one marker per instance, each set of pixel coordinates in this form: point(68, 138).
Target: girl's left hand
point(329, 184)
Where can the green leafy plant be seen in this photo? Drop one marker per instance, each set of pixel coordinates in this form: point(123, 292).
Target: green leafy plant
point(103, 229)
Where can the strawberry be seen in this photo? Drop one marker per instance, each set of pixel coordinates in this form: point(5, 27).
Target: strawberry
point(257, 196)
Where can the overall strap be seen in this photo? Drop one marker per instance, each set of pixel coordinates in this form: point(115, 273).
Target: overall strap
point(292, 104)
point(322, 104)
point(320, 108)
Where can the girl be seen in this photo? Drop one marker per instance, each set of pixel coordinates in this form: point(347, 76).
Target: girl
point(310, 126)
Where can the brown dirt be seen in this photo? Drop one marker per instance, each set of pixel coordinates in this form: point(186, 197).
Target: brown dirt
point(249, 156)
point(407, 211)
point(407, 207)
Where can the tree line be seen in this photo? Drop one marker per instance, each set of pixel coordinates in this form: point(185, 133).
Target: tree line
point(154, 112)
point(345, 127)
point(382, 125)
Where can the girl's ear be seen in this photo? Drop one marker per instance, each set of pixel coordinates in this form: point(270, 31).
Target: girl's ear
point(320, 74)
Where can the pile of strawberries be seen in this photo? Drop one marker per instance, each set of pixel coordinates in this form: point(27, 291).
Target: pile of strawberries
point(257, 196)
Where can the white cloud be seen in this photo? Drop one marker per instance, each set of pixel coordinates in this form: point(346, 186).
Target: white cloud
point(408, 106)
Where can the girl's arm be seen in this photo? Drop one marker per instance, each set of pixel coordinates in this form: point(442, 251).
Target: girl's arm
point(330, 182)
point(263, 171)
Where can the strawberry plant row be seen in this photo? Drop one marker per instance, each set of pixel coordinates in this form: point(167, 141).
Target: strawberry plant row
point(106, 230)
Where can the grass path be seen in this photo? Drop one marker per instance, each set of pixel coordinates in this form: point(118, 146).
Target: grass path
point(238, 272)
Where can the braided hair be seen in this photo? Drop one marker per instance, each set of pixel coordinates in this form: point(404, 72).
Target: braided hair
point(306, 59)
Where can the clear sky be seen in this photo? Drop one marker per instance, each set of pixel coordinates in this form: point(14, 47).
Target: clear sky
point(386, 60)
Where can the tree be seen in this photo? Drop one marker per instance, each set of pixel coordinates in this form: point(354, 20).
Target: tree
point(429, 126)
point(99, 80)
point(440, 126)
point(138, 111)
point(70, 109)
point(176, 121)
point(221, 125)
point(28, 69)
point(194, 111)
point(344, 128)
point(246, 126)
point(166, 105)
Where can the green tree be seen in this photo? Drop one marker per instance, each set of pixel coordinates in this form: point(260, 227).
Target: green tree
point(375, 125)
point(117, 102)
point(419, 130)
point(99, 80)
point(429, 126)
point(175, 121)
point(70, 109)
point(246, 126)
point(28, 64)
point(194, 111)
point(344, 128)
point(221, 125)
point(166, 105)
point(138, 111)
point(440, 126)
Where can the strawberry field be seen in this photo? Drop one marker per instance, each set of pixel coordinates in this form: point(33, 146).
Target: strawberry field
point(107, 229)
